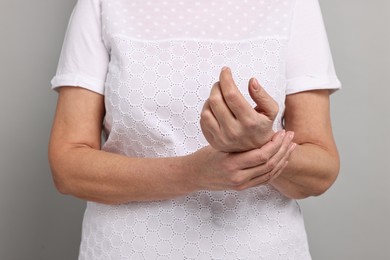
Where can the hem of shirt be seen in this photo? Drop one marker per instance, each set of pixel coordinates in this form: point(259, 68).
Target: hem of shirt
point(301, 84)
point(72, 80)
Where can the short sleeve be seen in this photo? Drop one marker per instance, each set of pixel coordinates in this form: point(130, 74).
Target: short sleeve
point(84, 56)
point(309, 62)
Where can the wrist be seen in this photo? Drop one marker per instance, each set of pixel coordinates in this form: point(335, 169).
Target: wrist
point(188, 172)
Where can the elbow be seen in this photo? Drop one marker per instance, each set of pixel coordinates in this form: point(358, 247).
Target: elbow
point(324, 179)
point(60, 179)
point(329, 176)
point(319, 188)
point(61, 183)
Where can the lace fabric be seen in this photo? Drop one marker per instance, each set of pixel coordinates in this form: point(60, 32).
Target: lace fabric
point(154, 93)
point(155, 90)
point(155, 63)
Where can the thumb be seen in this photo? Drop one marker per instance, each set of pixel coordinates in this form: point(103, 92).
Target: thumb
point(265, 103)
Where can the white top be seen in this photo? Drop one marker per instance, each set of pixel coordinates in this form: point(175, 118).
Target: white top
point(155, 62)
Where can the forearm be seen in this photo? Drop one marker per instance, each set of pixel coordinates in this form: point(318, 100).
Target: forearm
point(311, 171)
point(110, 178)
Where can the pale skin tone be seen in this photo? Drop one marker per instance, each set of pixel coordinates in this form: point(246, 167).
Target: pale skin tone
point(228, 121)
point(230, 124)
point(81, 169)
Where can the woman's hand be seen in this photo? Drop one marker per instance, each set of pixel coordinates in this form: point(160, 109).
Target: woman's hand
point(228, 121)
point(81, 169)
point(211, 169)
point(315, 163)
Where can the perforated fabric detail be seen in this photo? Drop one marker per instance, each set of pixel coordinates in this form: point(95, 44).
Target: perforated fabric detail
point(157, 90)
point(201, 19)
point(164, 58)
point(253, 224)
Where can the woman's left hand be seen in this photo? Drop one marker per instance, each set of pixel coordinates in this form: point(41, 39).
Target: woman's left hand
point(228, 121)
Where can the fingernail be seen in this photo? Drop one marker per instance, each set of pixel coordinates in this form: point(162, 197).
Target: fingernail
point(283, 133)
point(291, 135)
point(293, 146)
point(255, 84)
point(224, 68)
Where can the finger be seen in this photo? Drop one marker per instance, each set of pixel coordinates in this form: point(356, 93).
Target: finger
point(284, 161)
point(219, 108)
point(265, 103)
point(279, 171)
point(208, 122)
point(260, 156)
point(271, 166)
point(232, 95)
point(258, 180)
point(281, 165)
point(282, 154)
point(265, 180)
point(266, 172)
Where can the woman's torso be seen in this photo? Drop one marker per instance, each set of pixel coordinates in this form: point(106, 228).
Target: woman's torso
point(164, 58)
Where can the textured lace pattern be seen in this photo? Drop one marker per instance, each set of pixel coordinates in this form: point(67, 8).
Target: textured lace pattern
point(155, 90)
point(156, 86)
point(253, 224)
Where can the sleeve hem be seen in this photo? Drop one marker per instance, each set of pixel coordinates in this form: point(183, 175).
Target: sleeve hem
point(78, 81)
point(301, 84)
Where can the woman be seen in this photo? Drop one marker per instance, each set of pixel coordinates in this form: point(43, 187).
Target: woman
point(194, 164)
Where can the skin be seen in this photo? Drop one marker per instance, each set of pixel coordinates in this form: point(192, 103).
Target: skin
point(81, 169)
point(313, 166)
point(228, 121)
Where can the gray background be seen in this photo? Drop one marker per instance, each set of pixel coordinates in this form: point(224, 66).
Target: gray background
point(351, 221)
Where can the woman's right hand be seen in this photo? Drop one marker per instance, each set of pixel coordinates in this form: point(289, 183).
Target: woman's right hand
point(229, 123)
point(215, 170)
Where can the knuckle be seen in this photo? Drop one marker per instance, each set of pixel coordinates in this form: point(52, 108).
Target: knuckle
point(215, 85)
point(270, 164)
point(207, 127)
point(262, 157)
point(204, 115)
point(214, 100)
point(237, 180)
point(209, 136)
point(205, 121)
point(250, 124)
point(231, 95)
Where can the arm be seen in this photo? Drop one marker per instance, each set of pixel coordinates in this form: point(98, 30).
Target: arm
point(81, 169)
point(314, 165)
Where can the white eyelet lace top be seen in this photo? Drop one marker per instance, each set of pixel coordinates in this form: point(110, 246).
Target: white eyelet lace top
point(155, 62)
